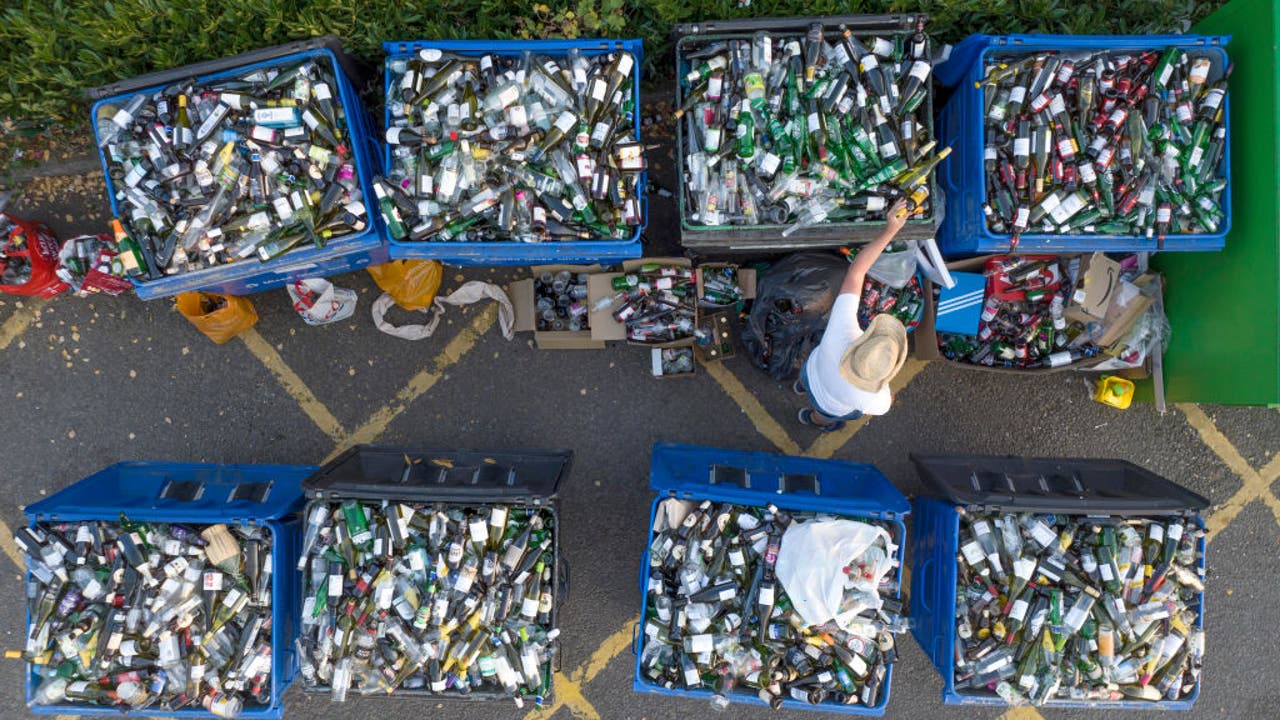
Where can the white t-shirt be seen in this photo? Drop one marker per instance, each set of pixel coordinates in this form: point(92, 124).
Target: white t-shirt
point(834, 395)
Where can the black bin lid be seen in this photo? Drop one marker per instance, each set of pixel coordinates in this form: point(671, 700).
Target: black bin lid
point(381, 472)
point(1054, 485)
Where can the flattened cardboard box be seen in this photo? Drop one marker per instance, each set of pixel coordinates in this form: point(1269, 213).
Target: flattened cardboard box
point(524, 303)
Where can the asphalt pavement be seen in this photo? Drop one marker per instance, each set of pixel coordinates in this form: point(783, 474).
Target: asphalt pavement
point(89, 382)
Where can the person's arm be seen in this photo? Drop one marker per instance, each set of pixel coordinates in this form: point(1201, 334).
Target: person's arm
point(857, 273)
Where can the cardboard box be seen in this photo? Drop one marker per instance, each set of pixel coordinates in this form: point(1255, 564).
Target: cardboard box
point(655, 358)
point(723, 328)
point(746, 281)
point(926, 336)
point(523, 302)
point(600, 287)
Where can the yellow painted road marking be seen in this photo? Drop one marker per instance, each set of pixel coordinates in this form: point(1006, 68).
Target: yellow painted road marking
point(765, 424)
point(9, 546)
point(569, 694)
point(1255, 484)
point(612, 647)
point(19, 321)
point(293, 385)
point(568, 688)
point(420, 383)
point(828, 444)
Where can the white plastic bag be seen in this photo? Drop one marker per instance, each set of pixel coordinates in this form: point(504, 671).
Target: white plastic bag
point(831, 569)
point(318, 302)
point(470, 292)
point(896, 269)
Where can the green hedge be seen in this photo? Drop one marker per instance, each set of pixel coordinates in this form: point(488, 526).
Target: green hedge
point(50, 49)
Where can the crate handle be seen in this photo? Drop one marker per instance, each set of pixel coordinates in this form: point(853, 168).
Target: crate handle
point(182, 490)
point(635, 638)
point(924, 573)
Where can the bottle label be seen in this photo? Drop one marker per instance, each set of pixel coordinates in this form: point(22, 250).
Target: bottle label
point(509, 95)
point(529, 606)
point(699, 644)
point(1197, 155)
point(1057, 105)
point(876, 203)
point(972, 552)
point(1022, 147)
point(393, 135)
point(888, 149)
point(565, 122)
point(1214, 99)
point(728, 594)
point(765, 596)
point(1019, 610)
point(426, 184)
point(321, 91)
point(1066, 148)
point(1087, 175)
point(448, 184)
point(1017, 95)
point(813, 122)
point(1164, 214)
point(920, 70)
point(715, 86)
point(869, 63)
point(989, 153)
point(518, 116)
point(1068, 208)
point(1183, 112)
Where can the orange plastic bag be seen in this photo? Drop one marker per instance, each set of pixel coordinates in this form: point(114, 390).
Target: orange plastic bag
point(412, 284)
point(221, 317)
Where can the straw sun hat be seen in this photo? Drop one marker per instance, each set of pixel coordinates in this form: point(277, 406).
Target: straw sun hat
point(871, 361)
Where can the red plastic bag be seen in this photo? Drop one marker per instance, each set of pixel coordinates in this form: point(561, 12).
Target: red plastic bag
point(1000, 287)
point(28, 258)
point(88, 264)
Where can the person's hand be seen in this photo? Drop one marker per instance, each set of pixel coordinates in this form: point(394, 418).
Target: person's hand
point(896, 218)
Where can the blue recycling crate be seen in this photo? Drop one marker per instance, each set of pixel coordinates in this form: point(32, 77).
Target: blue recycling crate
point(1097, 488)
point(197, 494)
point(605, 251)
point(692, 472)
point(962, 176)
point(343, 254)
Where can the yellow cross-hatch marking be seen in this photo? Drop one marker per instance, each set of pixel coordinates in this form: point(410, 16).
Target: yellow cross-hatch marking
point(764, 423)
point(19, 321)
point(9, 546)
point(568, 688)
point(1255, 484)
point(419, 384)
point(293, 385)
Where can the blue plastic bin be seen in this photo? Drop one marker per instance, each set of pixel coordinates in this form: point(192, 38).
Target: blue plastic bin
point(198, 494)
point(855, 490)
point(605, 251)
point(349, 252)
point(1098, 488)
point(962, 176)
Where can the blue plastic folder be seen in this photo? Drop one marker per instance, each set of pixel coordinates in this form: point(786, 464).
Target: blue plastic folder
point(960, 307)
